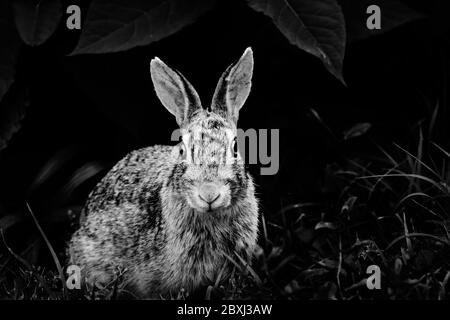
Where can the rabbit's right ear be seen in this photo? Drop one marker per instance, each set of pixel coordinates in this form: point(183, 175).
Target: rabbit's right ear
point(174, 91)
point(234, 87)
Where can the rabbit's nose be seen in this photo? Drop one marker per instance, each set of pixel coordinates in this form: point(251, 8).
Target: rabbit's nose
point(209, 193)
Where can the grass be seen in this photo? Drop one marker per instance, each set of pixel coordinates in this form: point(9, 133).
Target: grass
point(389, 210)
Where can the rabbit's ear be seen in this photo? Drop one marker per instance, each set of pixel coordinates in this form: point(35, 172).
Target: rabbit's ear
point(234, 87)
point(174, 91)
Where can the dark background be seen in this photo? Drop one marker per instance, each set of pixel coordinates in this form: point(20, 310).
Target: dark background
point(90, 110)
point(105, 104)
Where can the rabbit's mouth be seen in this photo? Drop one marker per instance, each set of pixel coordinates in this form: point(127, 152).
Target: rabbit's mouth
point(209, 197)
point(203, 205)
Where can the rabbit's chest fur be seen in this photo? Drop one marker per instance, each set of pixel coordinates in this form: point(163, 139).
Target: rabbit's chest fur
point(199, 246)
point(135, 222)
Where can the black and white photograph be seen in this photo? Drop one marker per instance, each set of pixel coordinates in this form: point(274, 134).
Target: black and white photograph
point(233, 153)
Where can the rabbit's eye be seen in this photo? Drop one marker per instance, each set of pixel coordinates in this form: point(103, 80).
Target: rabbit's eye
point(182, 151)
point(234, 147)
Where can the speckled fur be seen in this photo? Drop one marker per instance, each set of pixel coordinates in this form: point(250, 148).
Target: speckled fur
point(139, 217)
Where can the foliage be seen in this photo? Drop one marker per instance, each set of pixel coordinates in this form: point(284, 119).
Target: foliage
point(317, 27)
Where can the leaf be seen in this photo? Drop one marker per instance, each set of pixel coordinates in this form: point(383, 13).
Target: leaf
point(398, 264)
point(317, 27)
point(357, 130)
point(120, 25)
point(36, 22)
point(325, 225)
point(52, 166)
point(328, 263)
point(9, 47)
point(348, 205)
point(80, 176)
point(10, 220)
point(275, 252)
point(393, 15)
point(12, 112)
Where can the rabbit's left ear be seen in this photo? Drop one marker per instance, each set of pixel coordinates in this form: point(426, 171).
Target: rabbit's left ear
point(234, 87)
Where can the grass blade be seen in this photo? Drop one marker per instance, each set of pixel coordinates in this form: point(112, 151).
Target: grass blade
point(53, 253)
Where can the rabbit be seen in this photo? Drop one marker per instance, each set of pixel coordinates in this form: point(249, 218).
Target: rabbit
point(170, 216)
